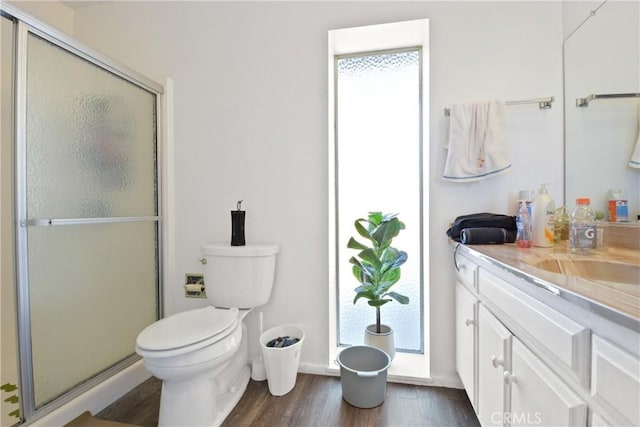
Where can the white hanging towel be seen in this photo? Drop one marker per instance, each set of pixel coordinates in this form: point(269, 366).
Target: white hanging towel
point(477, 142)
point(634, 161)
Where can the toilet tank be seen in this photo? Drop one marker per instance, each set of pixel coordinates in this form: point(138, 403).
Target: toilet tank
point(239, 276)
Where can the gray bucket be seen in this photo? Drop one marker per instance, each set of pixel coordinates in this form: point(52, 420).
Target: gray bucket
point(363, 375)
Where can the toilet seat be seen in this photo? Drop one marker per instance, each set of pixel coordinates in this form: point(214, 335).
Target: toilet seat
point(186, 331)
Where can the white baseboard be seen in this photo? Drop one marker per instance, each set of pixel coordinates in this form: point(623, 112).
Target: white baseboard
point(317, 369)
point(98, 398)
point(447, 382)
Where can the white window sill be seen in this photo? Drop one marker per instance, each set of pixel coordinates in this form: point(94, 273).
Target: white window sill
point(407, 368)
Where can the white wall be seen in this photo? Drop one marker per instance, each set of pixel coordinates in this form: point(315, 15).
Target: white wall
point(251, 124)
point(53, 12)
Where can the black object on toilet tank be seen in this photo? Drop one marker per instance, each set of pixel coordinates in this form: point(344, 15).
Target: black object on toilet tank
point(237, 226)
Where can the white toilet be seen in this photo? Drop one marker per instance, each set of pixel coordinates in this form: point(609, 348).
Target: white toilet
point(201, 355)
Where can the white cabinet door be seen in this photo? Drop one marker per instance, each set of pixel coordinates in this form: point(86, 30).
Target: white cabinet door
point(538, 396)
point(598, 421)
point(615, 380)
point(494, 357)
point(466, 305)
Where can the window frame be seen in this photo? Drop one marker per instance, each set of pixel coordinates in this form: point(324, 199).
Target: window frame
point(408, 367)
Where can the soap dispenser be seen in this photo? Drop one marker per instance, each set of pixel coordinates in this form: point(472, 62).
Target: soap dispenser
point(237, 226)
point(543, 219)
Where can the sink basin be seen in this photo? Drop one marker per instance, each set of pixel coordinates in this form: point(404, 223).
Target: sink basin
point(594, 270)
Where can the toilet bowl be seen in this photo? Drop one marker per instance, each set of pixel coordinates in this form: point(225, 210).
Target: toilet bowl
point(201, 355)
point(187, 351)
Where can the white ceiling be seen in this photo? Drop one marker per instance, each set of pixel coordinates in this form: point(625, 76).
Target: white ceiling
point(81, 3)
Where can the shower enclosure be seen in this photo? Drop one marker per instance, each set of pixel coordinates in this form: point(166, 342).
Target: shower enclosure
point(86, 214)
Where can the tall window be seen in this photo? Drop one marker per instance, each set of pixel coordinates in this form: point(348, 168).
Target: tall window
point(377, 165)
point(378, 151)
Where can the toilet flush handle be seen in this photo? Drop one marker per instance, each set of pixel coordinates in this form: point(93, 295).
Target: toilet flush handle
point(203, 261)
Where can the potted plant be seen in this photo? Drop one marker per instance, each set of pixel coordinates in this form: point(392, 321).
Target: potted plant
point(377, 268)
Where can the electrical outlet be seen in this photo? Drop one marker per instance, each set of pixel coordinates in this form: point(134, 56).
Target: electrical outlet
point(194, 286)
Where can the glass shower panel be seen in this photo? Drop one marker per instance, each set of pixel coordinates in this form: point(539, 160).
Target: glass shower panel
point(378, 147)
point(91, 139)
point(90, 156)
point(89, 298)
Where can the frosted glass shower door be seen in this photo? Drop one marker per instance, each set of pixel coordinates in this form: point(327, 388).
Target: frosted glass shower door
point(91, 216)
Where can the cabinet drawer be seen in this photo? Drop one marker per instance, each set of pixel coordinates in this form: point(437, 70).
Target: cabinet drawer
point(465, 270)
point(564, 339)
point(615, 379)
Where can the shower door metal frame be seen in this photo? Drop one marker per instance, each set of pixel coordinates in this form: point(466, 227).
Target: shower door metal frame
point(25, 24)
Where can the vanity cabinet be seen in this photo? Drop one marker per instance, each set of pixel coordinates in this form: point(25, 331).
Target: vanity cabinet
point(466, 308)
point(523, 362)
point(515, 387)
point(494, 359)
point(615, 380)
point(466, 325)
point(549, 331)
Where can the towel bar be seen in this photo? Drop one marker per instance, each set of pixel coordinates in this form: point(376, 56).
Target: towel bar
point(543, 103)
point(584, 102)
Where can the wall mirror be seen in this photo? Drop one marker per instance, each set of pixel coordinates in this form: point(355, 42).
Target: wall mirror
point(601, 57)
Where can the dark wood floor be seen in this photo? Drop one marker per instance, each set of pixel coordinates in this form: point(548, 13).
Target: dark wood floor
point(314, 401)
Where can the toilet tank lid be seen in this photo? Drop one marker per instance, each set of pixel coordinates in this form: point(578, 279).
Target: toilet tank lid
point(221, 249)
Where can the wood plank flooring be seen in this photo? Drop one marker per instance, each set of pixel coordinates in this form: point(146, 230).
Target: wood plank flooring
point(138, 407)
point(315, 401)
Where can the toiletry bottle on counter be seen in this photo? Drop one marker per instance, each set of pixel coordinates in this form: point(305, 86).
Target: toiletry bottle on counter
point(543, 222)
point(618, 207)
point(523, 224)
point(527, 196)
point(582, 234)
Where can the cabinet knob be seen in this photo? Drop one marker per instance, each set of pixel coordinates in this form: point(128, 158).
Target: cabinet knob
point(509, 378)
point(496, 362)
point(203, 260)
point(468, 322)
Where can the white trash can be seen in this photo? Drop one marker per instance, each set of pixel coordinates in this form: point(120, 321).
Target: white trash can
point(281, 363)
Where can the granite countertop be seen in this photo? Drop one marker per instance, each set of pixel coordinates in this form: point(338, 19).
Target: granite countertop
point(619, 298)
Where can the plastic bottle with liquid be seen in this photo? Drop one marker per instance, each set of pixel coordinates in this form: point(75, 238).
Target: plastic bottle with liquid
point(523, 225)
point(527, 196)
point(582, 233)
point(618, 207)
point(543, 222)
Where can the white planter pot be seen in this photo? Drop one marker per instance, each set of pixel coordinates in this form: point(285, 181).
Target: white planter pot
point(383, 340)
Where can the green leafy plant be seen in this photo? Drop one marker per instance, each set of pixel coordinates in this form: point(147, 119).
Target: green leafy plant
point(377, 265)
point(13, 399)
